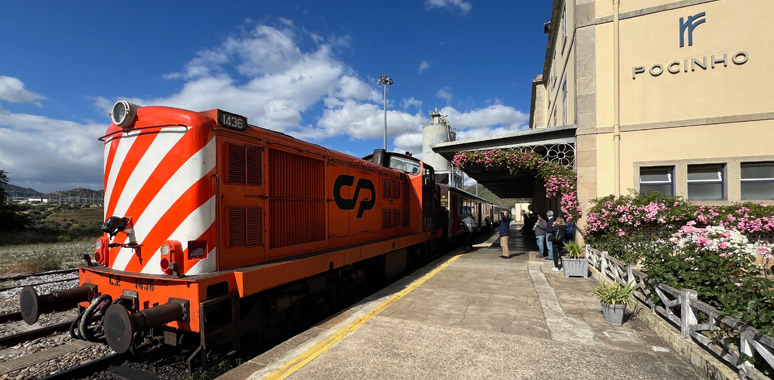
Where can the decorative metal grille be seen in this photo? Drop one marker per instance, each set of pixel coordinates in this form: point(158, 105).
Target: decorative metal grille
point(563, 153)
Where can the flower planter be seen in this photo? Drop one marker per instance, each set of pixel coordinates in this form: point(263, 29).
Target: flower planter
point(575, 267)
point(614, 315)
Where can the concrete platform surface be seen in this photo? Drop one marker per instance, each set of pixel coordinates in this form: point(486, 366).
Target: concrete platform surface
point(475, 316)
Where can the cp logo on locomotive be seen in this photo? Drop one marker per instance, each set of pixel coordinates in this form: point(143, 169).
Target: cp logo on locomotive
point(349, 204)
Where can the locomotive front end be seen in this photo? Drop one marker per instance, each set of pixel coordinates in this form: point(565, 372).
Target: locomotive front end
point(160, 230)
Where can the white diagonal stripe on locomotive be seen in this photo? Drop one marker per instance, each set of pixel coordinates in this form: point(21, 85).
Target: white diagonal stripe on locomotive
point(204, 266)
point(196, 167)
point(160, 147)
point(124, 145)
point(193, 227)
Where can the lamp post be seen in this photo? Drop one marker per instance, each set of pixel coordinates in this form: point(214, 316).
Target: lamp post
point(384, 80)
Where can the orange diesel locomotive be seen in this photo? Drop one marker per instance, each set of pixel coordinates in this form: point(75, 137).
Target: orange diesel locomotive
point(216, 230)
point(224, 229)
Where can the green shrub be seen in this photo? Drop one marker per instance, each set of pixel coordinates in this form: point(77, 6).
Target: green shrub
point(573, 250)
point(614, 294)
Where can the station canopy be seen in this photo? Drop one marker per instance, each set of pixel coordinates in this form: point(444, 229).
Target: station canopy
point(554, 144)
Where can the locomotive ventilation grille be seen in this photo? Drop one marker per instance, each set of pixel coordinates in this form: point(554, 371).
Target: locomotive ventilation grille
point(245, 226)
point(244, 164)
point(296, 199)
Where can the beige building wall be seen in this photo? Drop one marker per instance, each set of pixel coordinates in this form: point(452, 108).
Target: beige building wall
point(707, 103)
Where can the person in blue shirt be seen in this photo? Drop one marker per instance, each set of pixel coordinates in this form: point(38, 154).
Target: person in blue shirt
point(505, 222)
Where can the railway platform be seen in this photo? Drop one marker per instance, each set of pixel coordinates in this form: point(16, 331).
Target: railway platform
point(474, 316)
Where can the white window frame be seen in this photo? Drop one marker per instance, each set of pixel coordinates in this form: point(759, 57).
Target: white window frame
point(720, 180)
point(670, 174)
point(754, 180)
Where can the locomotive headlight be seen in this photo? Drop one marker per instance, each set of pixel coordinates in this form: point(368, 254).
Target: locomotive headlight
point(123, 113)
point(101, 250)
point(171, 260)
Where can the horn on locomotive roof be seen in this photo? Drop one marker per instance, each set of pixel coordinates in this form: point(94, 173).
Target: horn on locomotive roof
point(380, 157)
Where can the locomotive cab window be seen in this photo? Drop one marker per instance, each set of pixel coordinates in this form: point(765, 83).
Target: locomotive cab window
point(408, 166)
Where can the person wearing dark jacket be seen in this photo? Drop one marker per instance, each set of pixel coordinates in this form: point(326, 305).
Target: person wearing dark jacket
point(561, 226)
point(505, 222)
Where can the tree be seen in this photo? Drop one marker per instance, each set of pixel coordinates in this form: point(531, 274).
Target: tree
point(3, 181)
point(10, 217)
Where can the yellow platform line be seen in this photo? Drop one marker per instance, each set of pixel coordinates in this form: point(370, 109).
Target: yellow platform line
point(301, 360)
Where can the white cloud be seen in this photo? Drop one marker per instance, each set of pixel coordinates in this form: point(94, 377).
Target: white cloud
point(409, 142)
point(12, 90)
point(366, 121)
point(445, 93)
point(493, 120)
point(263, 74)
point(483, 122)
point(462, 6)
point(354, 88)
point(424, 65)
point(48, 154)
point(411, 102)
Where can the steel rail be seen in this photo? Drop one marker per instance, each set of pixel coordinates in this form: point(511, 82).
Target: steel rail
point(10, 317)
point(27, 275)
point(88, 368)
point(36, 284)
point(25, 336)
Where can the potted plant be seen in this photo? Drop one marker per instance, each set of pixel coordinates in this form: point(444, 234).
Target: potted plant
point(613, 298)
point(574, 261)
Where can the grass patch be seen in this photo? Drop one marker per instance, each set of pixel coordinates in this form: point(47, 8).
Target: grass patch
point(34, 258)
point(42, 263)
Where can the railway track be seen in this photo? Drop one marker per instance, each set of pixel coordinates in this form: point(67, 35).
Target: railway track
point(25, 336)
point(11, 317)
point(91, 367)
point(28, 276)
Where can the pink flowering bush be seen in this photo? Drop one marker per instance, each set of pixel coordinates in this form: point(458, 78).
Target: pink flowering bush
point(646, 218)
point(559, 181)
point(720, 264)
point(713, 250)
point(720, 240)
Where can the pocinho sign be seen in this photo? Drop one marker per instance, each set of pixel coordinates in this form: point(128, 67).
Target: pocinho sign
point(686, 32)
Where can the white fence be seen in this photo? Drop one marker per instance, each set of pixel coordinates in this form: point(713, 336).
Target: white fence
point(712, 333)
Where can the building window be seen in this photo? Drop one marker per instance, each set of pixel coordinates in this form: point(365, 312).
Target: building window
point(564, 102)
point(658, 179)
point(758, 181)
point(705, 182)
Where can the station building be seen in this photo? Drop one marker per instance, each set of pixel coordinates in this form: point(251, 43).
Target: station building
point(672, 96)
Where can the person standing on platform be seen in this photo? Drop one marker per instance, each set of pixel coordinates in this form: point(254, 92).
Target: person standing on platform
point(468, 224)
point(561, 227)
point(505, 230)
point(540, 234)
point(549, 244)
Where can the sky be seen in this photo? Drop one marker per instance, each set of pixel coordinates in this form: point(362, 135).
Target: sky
point(305, 68)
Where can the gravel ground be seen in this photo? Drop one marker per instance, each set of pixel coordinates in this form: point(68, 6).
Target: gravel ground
point(9, 299)
point(66, 361)
point(9, 302)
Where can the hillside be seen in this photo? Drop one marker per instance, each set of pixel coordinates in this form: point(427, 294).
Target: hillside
point(14, 191)
point(79, 195)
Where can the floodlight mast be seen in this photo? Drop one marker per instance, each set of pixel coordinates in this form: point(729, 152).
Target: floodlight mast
point(384, 80)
